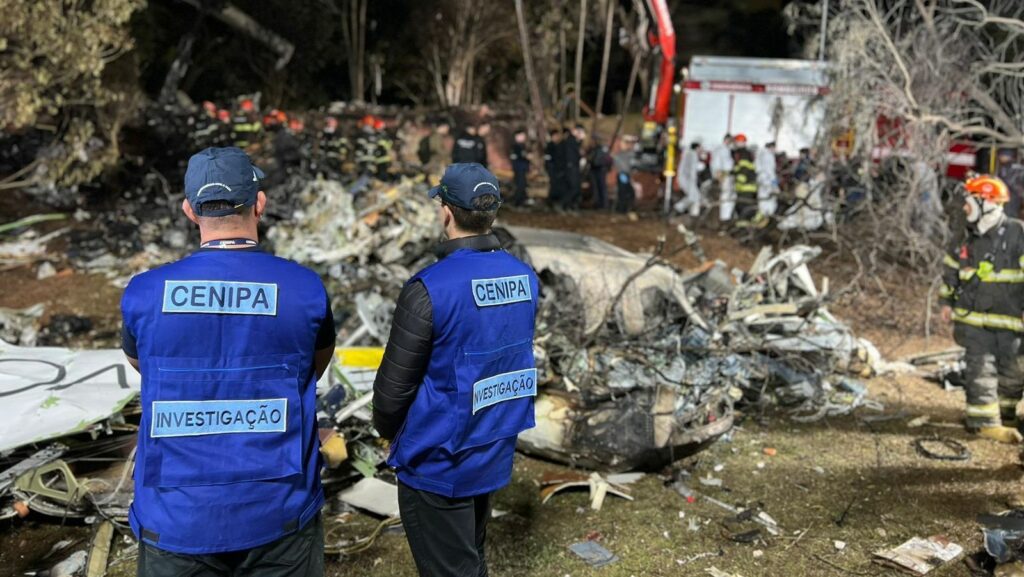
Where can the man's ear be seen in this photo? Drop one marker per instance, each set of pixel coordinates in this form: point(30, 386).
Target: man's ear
point(446, 215)
point(187, 209)
point(261, 203)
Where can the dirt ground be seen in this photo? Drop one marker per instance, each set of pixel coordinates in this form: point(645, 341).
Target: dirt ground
point(842, 479)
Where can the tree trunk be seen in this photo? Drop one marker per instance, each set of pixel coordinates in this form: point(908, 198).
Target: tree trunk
point(179, 68)
point(562, 54)
point(244, 23)
point(629, 99)
point(604, 62)
point(531, 80)
point(578, 78)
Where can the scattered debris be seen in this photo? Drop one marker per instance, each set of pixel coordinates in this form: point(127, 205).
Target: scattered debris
point(919, 556)
point(71, 566)
point(53, 392)
point(100, 551)
point(942, 449)
point(593, 553)
point(716, 572)
point(373, 495)
point(711, 337)
point(598, 486)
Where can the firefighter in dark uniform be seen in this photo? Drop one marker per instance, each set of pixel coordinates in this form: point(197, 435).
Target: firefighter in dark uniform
point(744, 178)
point(206, 125)
point(983, 294)
point(366, 147)
point(333, 146)
point(385, 153)
point(458, 380)
point(245, 125)
point(520, 166)
point(230, 342)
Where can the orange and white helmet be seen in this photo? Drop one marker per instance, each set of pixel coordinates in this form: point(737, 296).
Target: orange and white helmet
point(989, 188)
point(740, 138)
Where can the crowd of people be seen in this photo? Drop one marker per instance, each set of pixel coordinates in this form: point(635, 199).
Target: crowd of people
point(332, 146)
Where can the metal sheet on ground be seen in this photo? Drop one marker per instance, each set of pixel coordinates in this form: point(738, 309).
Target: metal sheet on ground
point(51, 392)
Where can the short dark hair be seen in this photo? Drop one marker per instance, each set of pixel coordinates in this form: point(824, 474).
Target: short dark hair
point(695, 146)
point(480, 219)
point(217, 205)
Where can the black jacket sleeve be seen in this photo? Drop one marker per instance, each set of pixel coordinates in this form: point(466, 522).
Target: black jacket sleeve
point(405, 360)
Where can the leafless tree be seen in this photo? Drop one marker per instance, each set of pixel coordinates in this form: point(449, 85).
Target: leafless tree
point(353, 34)
point(909, 78)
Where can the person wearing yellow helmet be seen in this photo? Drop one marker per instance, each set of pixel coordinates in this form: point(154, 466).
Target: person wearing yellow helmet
point(983, 295)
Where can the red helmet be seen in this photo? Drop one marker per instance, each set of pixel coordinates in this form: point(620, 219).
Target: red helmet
point(988, 187)
point(223, 115)
point(269, 120)
point(368, 120)
point(331, 122)
point(247, 105)
point(740, 138)
point(209, 107)
point(378, 124)
point(296, 125)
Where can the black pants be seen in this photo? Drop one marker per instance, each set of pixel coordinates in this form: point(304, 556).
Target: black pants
point(519, 177)
point(557, 189)
point(571, 201)
point(625, 195)
point(446, 536)
point(300, 554)
point(599, 185)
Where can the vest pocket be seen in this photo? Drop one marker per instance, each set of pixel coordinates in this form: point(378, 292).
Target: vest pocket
point(495, 392)
point(210, 425)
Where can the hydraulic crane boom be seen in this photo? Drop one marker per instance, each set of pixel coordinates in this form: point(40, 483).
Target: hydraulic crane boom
point(660, 106)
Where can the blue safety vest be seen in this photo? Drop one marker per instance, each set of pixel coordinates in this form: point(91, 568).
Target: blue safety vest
point(459, 437)
point(228, 453)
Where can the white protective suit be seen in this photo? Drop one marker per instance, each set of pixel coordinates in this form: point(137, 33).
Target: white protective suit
point(767, 181)
point(721, 169)
point(689, 165)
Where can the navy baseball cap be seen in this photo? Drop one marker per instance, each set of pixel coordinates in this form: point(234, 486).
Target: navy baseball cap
point(221, 174)
point(464, 181)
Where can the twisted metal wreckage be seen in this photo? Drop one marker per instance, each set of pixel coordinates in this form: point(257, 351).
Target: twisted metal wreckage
point(641, 363)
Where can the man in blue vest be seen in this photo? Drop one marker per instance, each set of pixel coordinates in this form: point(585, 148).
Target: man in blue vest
point(230, 342)
point(458, 379)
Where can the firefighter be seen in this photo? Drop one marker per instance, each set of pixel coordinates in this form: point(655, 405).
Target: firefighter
point(245, 127)
point(983, 294)
point(205, 127)
point(744, 182)
point(481, 143)
point(366, 146)
point(334, 146)
point(385, 152)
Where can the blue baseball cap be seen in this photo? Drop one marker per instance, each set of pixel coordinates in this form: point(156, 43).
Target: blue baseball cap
point(221, 174)
point(463, 182)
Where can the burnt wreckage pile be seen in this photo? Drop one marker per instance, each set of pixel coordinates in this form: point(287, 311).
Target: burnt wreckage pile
point(639, 363)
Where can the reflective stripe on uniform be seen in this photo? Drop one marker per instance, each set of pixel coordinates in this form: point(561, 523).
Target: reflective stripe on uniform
point(1008, 403)
point(953, 263)
point(988, 320)
point(989, 410)
point(946, 291)
point(1008, 275)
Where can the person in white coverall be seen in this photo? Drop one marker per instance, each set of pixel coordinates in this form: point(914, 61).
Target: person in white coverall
point(689, 166)
point(721, 169)
point(767, 180)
